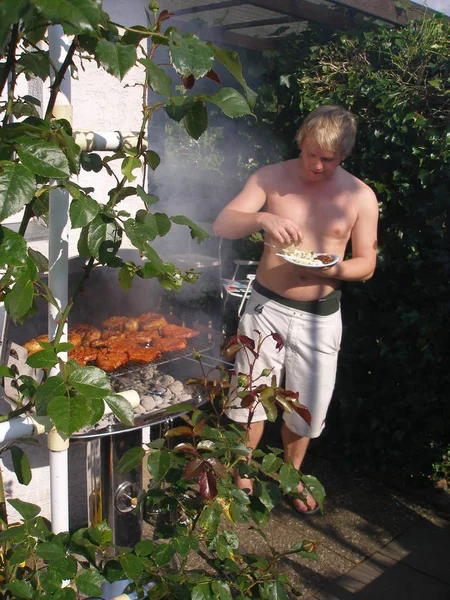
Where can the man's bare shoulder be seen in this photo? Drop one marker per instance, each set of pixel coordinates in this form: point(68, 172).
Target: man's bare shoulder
point(271, 174)
point(358, 188)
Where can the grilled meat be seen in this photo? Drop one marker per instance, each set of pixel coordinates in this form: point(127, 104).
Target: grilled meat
point(175, 331)
point(170, 344)
point(111, 360)
point(121, 323)
point(143, 354)
point(83, 355)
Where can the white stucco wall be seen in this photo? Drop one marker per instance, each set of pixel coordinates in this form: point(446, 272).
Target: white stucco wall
point(102, 103)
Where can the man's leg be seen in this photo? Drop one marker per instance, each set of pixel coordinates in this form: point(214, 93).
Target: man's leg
point(295, 447)
point(254, 437)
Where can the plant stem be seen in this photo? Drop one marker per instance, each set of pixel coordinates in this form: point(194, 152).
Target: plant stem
point(59, 77)
point(11, 58)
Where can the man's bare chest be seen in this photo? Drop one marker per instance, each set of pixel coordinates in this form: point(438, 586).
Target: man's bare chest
point(331, 217)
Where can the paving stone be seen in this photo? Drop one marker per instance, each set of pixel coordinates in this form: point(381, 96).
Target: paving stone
point(382, 578)
point(425, 547)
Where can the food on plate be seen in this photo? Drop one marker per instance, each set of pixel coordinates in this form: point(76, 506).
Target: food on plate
point(177, 331)
point(307, 257)
point(325, 258)
point(33, 345)
point(170, 344)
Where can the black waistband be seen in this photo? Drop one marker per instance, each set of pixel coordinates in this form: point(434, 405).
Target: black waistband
point(323, 306)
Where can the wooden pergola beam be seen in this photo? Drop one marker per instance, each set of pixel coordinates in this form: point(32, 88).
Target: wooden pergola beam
point(306, 11)
point(207, 7)
point(229, 38)
point(385, 10)
point(260, 23)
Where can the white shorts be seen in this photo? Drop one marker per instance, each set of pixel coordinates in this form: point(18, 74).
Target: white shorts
point(307, 363)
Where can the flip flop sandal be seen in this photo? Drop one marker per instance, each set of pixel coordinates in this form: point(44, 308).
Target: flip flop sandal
point(308, 513)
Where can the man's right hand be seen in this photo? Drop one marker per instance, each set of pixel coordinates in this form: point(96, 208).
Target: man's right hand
point(282, 230)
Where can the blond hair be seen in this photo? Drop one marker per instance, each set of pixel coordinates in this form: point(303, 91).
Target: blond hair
point(332, 127)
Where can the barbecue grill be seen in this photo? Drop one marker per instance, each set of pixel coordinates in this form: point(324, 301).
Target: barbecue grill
point(94, 453)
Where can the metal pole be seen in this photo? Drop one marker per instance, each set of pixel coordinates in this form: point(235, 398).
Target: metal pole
point(58, 252)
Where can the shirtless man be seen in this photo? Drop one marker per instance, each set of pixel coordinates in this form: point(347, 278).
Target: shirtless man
point(314, 202)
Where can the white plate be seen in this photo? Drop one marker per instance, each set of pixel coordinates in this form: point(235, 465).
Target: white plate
point(292, 260)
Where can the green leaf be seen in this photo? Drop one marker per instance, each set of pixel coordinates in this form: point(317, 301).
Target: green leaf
point(43, 158)
point(158, 464)
point(19, 300)
point(163, 223)
point(121, 408)
point(152, 159)
point(116, 59)
point(65, 568)
point(83, 211)
point(178, 106)
point(130, 460)
point(10, 13)
point(157, 79)
point(126, 276)
point(132, 566)
point(39, 260)
point(128, 165)
point(43, 359)
point(90, 382)
point(53, 386)
point(20, 589)
point(221, 590)
point(189, 55)
point(69, 414)
point(315, 487)
point(21, 465)
point(49, 551)
point(196, 119)
point(141, 233)
point(36, 63)
point(232, 63)
point(27, 510)
point(13, 248)
point(182, 545)
point(162, 555)
point(144, 548)
point(274, 590)
point(89, 582)
point(289, 478)
point(148, 199)
point(17, 187)
point(271, 463)
point(74, 15)
point(102, 233)
point(196, 230)
point(231, 102)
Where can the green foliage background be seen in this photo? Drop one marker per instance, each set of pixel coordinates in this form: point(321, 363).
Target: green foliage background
point(391, 404)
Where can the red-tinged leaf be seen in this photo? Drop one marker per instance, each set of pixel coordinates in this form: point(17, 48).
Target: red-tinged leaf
point(199, 427)
point(164, 15)
point(279, 340)
point(248, 400)
point(176, 431)
point(188, 82)
point(208, 485)
point(218, 467)
point(188, 448)
point(194, 468)
point(246, 342)
point(214, 76)
point(289, 394)
point(309, 546)
point(302, 411)
point(230, 352)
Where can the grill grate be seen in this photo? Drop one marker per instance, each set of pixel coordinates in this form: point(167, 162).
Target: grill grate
point(200, 344)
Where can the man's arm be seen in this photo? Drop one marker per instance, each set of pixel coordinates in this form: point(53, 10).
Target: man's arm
point(361, 266)
point(242, 216)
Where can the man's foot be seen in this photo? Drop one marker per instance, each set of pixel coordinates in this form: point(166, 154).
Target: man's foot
point(305, 507)
point(244, 483)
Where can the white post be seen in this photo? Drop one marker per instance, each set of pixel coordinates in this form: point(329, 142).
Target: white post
point(58, 254)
